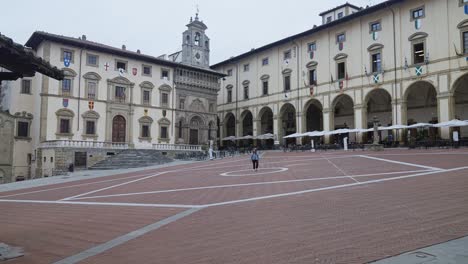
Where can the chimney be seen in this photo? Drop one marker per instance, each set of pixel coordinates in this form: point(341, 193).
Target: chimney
point(83, 37)
point(124, 47)
point(138, 51)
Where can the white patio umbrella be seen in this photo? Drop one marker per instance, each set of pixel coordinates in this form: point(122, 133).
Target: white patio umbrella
point(246, 137)
point(392, 127)
point(231, 138)
point(420, 125)
point(452, 123)
point(295, 135)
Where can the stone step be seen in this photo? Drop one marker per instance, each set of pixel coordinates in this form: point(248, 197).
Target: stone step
point(132, 159)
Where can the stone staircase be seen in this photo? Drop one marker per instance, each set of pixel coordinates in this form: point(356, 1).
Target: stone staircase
point(132, 158)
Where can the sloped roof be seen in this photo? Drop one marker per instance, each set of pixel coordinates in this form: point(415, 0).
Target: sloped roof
point(21, 62)
point(309, 32)
point(39, 36)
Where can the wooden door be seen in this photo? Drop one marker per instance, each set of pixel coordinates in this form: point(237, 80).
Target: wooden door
point(119, 129)
point(193, 136)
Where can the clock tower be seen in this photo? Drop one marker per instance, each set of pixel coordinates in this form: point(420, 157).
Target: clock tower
point(196, 45)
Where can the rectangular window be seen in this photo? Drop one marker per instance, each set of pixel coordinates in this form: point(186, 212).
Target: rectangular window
point(229, 96)
point(246, 92)
point(64, 126)
point(340, 15)
point(146, 97)
point(163, 132)
point(287, 55)
point(329, 19)
point(164, 98)
point(120, 94)
point(26, 86)
point(147, 70)
point(165, 74)
point(121, 65)
point(67, 55)
point(376, 26)
point(419, 53)
point(418, 13)
point(182, 104)
point(376, 62)
point(211, 108)
point(246, 67)
point(311, 47)
point(287, 83)
point(465, 41)
point(92, 60)
point(341, 70)
point(265, 87)
point(312, 77)
point(23, 129)
point(145, 131)
point(340, 38)
point(229, 72)
point(90, 128)
point(66, 86)
point(92, 90)
point(265, 61)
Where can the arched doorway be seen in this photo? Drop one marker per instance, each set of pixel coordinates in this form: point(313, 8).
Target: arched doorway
point(460, 94)
point(343, 117)
point(265, 127)
point(119, 129)
point(421, 107)
point(195, 124)
point(287, 122)
point(312, 119)
point(230, 128)
point(247, 128)
point(379, 105)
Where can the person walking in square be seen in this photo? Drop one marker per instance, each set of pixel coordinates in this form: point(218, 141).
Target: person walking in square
point(255, 158)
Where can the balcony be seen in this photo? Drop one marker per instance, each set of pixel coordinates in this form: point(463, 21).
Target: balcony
point(177, 147)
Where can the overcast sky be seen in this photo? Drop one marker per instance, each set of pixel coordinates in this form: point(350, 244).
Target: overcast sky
point(155, 27)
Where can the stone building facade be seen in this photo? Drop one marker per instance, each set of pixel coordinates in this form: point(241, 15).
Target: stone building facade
point(403, 61)
point(110, 99)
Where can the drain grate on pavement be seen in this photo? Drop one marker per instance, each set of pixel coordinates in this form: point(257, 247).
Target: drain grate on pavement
point(7, 252)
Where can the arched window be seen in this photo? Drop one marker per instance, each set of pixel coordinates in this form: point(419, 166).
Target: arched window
point(197, 38)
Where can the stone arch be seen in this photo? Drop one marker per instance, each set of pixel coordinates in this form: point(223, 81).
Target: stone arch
point(91, 114)
point(246, 123)
point(65, 112)
point(312, 118)
point(146, 84)
point(230, 125)
point(422, 107)
point(265, 118)
point(2, 176)
point(460, 102)
point(69, 72)
point(287, 122)
point(378, 104)
point(121, 80)
point(342, 116)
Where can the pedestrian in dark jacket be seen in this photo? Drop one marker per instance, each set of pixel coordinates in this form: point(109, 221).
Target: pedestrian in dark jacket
point(255, 158)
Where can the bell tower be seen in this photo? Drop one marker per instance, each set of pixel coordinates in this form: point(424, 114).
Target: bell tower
point(196, 45)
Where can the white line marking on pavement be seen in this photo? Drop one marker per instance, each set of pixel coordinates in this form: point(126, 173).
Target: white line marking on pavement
point(74, 185)
point(338, 168)
point(113, 186)
point(102, 204)
point(125, 238)
point(255, 173)
point(401, 163)
point(334, 187)
point(245, 184)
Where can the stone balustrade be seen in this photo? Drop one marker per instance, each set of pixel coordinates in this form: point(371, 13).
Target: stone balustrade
point(179, 147)
point(83, 144)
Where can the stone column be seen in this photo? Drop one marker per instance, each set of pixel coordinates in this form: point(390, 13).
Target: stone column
point(298, 127)
point(400, 111)
point(222, 133)
point(256, 131)
point(445, 113)
point(238, 130)
point(360, 120)
point(276, 129)
point(328, 123)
